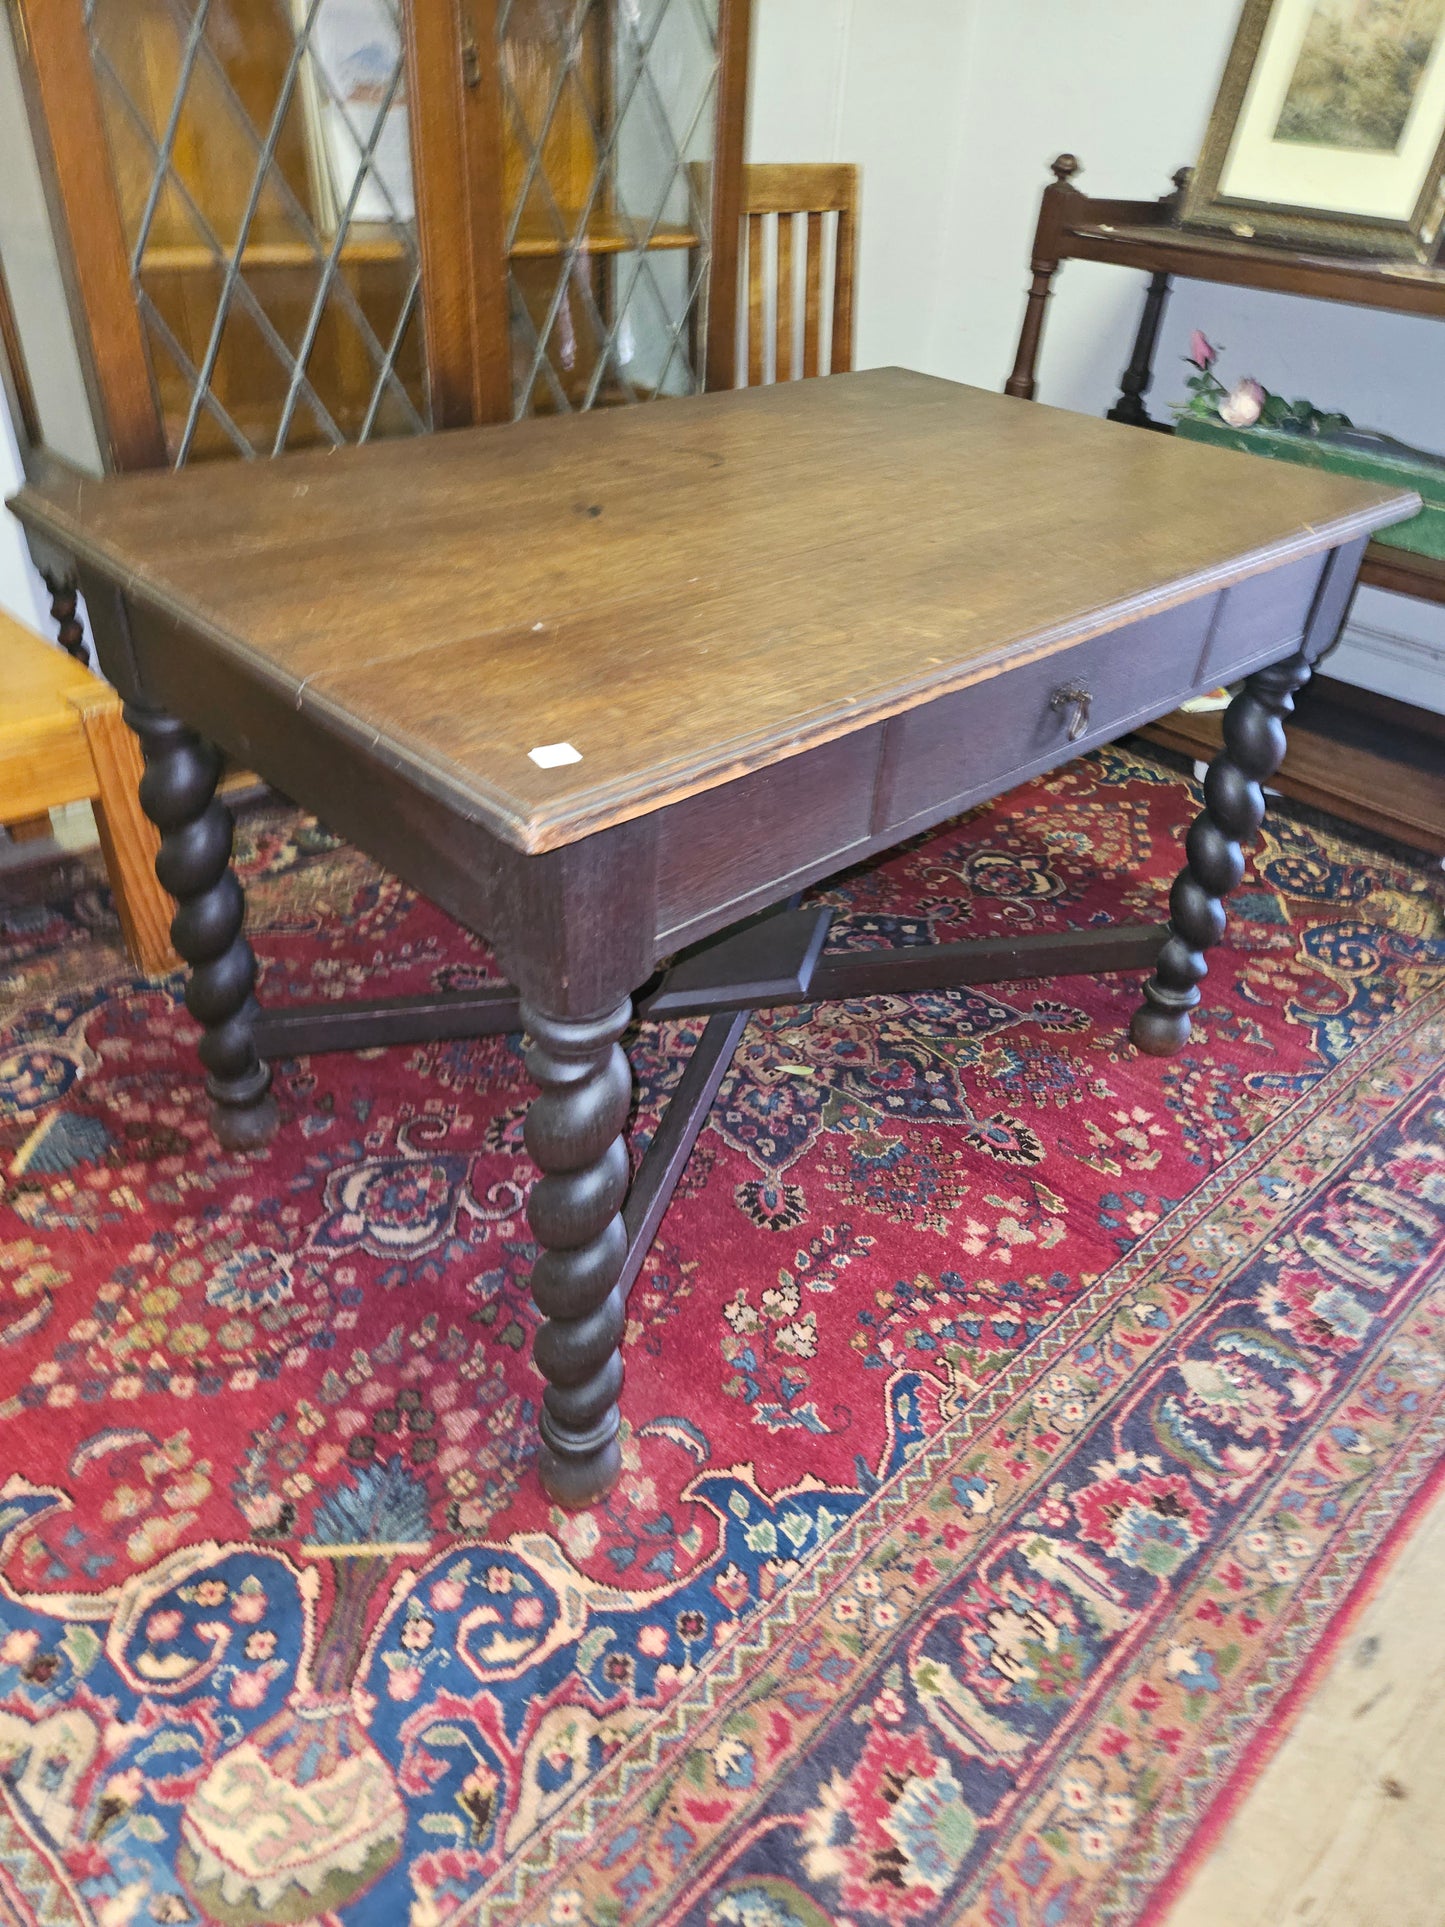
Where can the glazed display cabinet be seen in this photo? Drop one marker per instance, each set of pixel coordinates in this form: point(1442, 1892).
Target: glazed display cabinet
point(292, 223)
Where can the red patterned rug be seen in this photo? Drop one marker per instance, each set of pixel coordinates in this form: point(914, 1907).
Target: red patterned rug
point(1008, 1417)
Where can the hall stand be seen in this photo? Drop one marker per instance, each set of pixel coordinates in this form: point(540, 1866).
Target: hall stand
point(1368, 758)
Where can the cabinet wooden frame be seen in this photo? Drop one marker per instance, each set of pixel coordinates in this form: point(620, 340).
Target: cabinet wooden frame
point(452, 60)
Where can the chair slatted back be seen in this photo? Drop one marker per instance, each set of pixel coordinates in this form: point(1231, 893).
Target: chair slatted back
point(787, 207)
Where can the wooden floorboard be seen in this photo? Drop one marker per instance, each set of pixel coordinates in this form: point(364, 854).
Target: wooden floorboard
point(1344, 1827)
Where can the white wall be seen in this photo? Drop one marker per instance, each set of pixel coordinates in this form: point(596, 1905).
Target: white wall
point(954, 109)
point(32, 272)
point(22, 593)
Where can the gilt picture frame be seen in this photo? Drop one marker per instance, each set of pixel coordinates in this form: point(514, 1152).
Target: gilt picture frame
point(1329, 130)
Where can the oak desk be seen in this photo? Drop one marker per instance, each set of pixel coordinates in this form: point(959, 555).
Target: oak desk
point(604, 686)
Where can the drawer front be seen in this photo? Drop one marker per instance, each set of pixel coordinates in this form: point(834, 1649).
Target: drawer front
point(739, 847)
point(1262, 617)
point(975, 743)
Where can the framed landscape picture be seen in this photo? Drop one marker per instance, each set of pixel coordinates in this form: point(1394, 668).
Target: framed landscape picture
point(1329, 129)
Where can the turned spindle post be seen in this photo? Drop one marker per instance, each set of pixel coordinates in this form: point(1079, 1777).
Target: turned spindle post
point(574, 1133)
point(178, 794)
point(65, 613)
point(1233, 810)
point(1043, 267)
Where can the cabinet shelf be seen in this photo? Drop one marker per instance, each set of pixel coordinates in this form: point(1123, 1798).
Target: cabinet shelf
point(364, 246)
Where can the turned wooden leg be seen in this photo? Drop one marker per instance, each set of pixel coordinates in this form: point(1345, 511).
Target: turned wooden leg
point(65, 613)
point(1134, 384)
point(1233, 809)
point(1022, 381)
point(178, 794)
point(1060, 198)
point(574, 1132)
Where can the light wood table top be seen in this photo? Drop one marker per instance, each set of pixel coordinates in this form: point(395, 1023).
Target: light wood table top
point(684, 592)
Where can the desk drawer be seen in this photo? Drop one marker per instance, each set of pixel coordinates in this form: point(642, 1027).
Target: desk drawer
point(978, 742)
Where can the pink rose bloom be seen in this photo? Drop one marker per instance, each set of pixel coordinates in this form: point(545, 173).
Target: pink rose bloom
point(1243, 405)
point(163, 1626)
point(652, 1640)
point(248, 1607)
point(530, 1612)
point(447, 1595)
point(1202, 352)
point(404, 1682)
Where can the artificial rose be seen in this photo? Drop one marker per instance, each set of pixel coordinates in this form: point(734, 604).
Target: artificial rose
point(1201, 351)
point(1243, 405)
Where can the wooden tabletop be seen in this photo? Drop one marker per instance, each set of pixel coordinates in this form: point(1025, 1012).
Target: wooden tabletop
point(684, 591)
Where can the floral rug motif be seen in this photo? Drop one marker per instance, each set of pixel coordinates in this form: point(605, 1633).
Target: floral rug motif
point(1008, 1417)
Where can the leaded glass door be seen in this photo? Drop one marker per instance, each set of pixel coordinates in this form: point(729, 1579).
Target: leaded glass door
point(610, 117)
point(312, 222)
point(262, 160)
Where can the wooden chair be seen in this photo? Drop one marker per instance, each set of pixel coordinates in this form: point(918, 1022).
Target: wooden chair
point(63, 740)
point(814, 206)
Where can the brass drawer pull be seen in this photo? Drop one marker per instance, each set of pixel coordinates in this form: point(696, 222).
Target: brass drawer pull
point(1077, 699)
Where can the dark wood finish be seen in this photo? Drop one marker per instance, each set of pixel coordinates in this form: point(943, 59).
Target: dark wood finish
point(744, 726)
point(298, 1030)
point(178, 794)
point(1142, 235)
point(1054, 209)
point(574, 1134)
point(770, 962)
point(667, 1155)
point(1138, 376)
point(1374, 761)
point(991, 960)
point(1254, 748)
point(65, 612)
point(1381, 713)
point(775, 962)
point(682, 670)
point(1145, 235)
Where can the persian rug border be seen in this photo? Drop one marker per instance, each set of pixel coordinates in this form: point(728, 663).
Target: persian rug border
point(1269, 1739)
point(731, 1668)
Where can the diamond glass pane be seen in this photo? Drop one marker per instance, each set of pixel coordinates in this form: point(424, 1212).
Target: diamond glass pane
point(609, 112)
point(261, 151)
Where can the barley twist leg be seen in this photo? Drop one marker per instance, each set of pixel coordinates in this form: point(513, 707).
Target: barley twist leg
point(1233, 810)
point(574, 1132)
point(178, 794)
